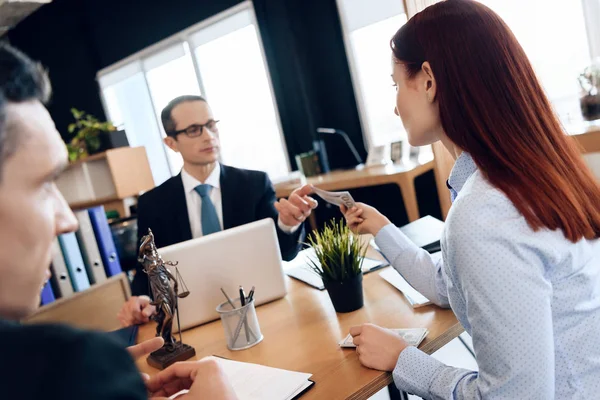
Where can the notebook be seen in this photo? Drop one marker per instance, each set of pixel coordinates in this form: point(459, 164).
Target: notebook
point(414, 298)
point(299, 269)
point(259, 382)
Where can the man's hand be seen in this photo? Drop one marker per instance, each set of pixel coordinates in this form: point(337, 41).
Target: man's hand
point(143, 349)
point(137, 310)
point(296, 208)
point(146, 347)
point(364, 219)
point(377, 348)
point(204, 379)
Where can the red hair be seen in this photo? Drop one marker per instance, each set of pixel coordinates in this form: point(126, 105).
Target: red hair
point(493, 107)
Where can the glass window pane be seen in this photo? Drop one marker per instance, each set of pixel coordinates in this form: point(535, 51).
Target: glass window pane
point(129, 107)
point(167, 81)
point(556, 44)
point(373, 67)
point(238, 90)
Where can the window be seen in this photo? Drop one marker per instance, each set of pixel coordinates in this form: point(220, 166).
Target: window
point(170, 73)
point(237, 84)
point(560, 41)
point(221, 59)
point(128, 105)
point(368, 28)
point(591, 10)
point(556, 43)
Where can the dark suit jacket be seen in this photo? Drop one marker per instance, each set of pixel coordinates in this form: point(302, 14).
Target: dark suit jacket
point(246, 196)
point(58, 362)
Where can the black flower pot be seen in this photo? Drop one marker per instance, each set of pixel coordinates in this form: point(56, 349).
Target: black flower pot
point(346, 296)
point(590, 107)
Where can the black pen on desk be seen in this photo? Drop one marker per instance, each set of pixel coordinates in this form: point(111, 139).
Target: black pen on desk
point(251, 295)
point(242, 296)
point(244, 315)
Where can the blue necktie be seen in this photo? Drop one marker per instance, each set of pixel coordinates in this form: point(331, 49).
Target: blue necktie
point(208, 213)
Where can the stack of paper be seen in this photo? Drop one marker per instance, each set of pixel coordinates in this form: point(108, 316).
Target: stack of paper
point(413, 337)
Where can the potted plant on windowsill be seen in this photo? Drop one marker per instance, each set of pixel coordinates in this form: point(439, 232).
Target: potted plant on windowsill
point(590, 100)
point(339, 261)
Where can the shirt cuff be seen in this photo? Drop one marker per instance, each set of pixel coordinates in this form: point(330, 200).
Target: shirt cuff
point(393, 242)
point(286, 228)
point(415, 372)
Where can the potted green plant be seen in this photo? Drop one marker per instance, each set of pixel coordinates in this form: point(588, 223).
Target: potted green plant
point(340, 255)
point(90, 135)
point(589, 81)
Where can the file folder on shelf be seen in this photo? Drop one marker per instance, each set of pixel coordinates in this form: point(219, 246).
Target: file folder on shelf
point(61, 281)
point(106, 244)
point(89, 248)
point(47, 295)
point(74, 261)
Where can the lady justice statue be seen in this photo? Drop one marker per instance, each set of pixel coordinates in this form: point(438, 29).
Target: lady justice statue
point(165, 299)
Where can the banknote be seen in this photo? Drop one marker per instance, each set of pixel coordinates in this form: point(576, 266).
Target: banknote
point(336, 198)
point(413, 337)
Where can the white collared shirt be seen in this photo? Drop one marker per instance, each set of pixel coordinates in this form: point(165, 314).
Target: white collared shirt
point(194, 201)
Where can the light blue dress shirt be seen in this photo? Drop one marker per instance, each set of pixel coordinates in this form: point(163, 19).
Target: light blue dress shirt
point(530, 300)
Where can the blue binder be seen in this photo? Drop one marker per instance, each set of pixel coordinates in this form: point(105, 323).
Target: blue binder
point(106, 244)
point(47, 294)
point(74, 261)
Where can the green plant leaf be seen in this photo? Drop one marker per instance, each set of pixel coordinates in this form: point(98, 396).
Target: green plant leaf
point(338, 251)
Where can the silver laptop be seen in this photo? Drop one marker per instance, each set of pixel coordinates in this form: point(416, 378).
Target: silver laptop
point(246, 255)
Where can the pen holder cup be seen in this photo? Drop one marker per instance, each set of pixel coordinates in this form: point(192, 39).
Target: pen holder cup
point(241, 325)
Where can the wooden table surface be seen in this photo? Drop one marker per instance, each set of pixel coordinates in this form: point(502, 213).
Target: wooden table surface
point(302, 331)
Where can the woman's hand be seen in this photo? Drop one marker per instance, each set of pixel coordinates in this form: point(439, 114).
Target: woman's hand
point(377, 347)
point(364, 219)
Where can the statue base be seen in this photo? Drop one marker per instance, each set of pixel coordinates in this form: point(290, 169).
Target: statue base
point(167, 355)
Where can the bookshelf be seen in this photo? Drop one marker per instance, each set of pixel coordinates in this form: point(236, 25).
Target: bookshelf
point(112, 179)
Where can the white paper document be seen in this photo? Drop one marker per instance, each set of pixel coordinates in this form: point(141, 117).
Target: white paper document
point(415, 298)
point(259, 382)
point(413, 337)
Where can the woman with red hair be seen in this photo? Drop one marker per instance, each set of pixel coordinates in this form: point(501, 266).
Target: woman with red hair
point(520, 266)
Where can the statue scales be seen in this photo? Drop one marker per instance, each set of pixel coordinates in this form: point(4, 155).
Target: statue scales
point(166, 301)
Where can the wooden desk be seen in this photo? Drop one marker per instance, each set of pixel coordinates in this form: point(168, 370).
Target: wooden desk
point(302, 332)
point(587, 137)
point(402, 175)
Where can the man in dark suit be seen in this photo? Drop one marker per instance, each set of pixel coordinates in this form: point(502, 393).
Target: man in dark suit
point(207, 196)
point(54, 361)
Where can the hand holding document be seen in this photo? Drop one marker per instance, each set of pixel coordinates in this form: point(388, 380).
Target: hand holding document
point(413, 337)
point(336, 198)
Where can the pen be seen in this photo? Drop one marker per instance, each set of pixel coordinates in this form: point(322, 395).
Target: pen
point(242, 296)
point(251, 295)
point(243, 301)
point(228, 299)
